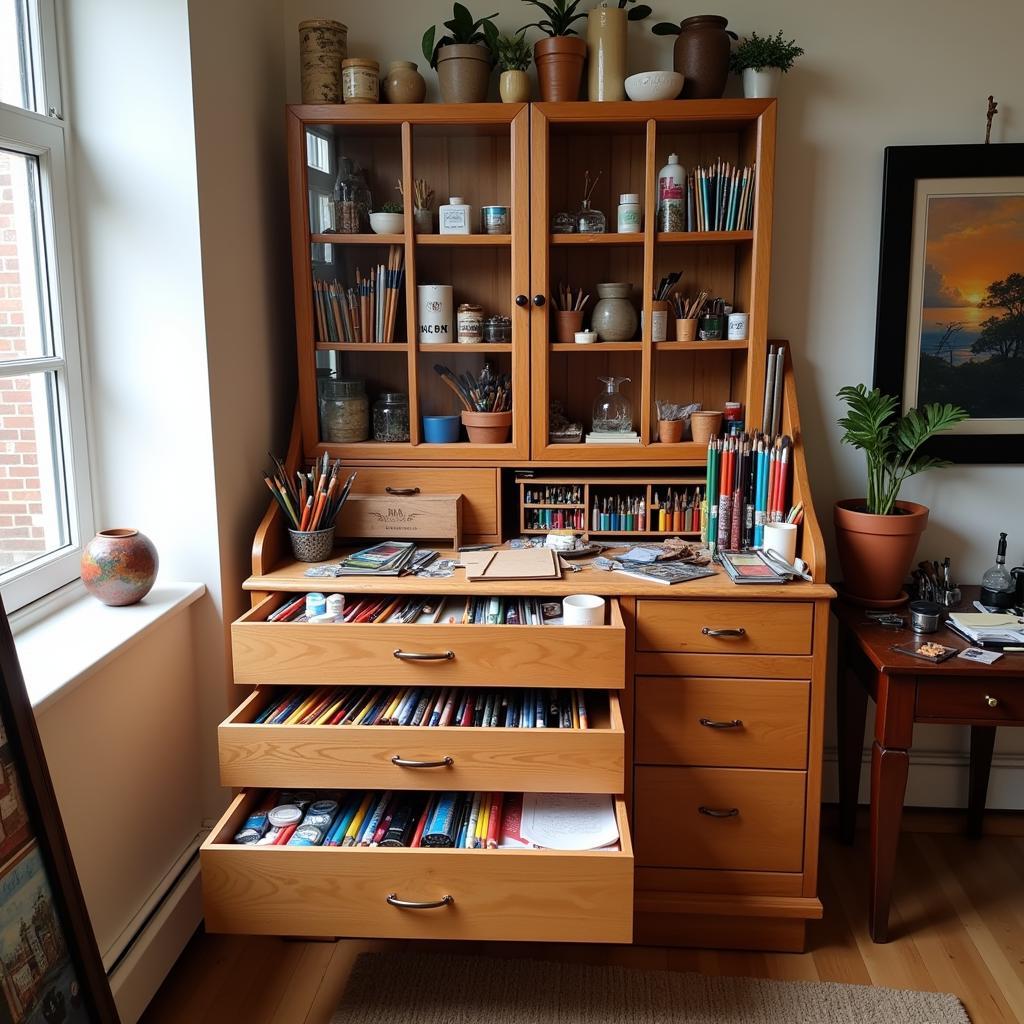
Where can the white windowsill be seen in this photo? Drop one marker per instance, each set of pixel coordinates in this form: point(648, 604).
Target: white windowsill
point(59, 652)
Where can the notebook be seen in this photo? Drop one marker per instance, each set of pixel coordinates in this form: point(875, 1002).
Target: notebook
point(512, 564)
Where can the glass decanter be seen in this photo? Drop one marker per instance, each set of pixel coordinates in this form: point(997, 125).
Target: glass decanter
point(590, 221)
point(613, 411)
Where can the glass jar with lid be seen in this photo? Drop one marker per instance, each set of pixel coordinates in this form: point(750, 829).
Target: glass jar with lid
point(498, 328)
point(352, 199)
point(344, 411)
point(391, 418)
point(613, 411)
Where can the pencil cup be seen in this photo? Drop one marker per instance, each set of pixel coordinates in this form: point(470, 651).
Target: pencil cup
point(312, 545)
point(487, 427)
point(567, 323)
point(704, 425)
point(737, 326)
point(686, 330)
point(781, 538)
point(659, 320)
point(583, 610)
point(671, 431)
point(435, 313)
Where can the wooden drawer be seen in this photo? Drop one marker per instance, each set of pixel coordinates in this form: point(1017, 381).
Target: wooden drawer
point(287, 652)
point(355, 756)
point(965, 700)
point(747, 627)
point(536, 895)
point(741, 723)
point(481, 501)
point(766, 832)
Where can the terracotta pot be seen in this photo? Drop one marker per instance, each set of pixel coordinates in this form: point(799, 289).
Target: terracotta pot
point(606, 53)
point(463, 72)
point(403, 83)
point(514, 87)
point(487, 427)
point(119, 566)
point(322, 48)
point(876, 552)
point(701, 55)
point(670, 431)
point(704, 425)
point(559, 61)
point(567, 323)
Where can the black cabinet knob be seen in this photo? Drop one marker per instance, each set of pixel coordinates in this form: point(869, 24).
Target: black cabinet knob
point(522, 300)
point(538, 300)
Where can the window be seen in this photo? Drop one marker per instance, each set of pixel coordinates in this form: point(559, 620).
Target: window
point(45, 503)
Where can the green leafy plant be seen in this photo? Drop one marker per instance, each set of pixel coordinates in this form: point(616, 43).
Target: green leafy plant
point(765, 52)
point(513, 52)
point(560, 17)
point(391, 207)
point(890, 444)
point(637, 13)
point(463, 29)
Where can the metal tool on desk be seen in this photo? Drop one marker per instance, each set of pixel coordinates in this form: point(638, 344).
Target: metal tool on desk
point(935, 583)
point(788, 568)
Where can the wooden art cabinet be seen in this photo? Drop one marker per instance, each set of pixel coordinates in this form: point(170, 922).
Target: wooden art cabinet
point(708, 698)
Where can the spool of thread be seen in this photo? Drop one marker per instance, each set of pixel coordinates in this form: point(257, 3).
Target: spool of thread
point(316, 604)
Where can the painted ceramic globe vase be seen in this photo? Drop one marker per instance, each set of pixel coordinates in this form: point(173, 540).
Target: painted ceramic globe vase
point(119, 566)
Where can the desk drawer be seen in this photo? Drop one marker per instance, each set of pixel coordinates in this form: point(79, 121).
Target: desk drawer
point(287, 652)
point(966, 700)
point(760, 825)
point(535, 895)
point(355, 756)
point(742, 723)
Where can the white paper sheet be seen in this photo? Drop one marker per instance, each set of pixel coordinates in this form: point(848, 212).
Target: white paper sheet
point(569, 821)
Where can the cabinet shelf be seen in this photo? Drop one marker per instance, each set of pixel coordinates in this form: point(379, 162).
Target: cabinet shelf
point(702, 237)
point(597, 346)
point(498, 241)
point(699, 346)
point(469, 349)
point(604, 238)
point(370, 238)
point(361, 346)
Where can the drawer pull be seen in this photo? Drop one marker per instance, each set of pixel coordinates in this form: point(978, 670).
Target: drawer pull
point(739, 631)
point(718, 812)
point(429, 656)
point(444, 901)
point(710, 723)
point(992, 702)
point(402, 492)
point(402, 762)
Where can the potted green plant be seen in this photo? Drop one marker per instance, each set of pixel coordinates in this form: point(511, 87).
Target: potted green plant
point(559, 56)
point(877, 536)
point(762, 60)
point(462, 59)
point(513, 55)
point(389, 219)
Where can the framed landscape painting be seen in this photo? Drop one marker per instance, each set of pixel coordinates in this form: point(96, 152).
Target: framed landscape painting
point(950, 321)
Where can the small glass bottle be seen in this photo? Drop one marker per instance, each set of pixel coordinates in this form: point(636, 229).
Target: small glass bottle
point(391, 418)
point(590, 221)
point(997, 584)
point(352, 200)
point(469, 322)
point(613, 411)
point(344, 411)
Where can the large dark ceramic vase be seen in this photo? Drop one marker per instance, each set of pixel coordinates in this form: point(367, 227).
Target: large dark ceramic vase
point(701, 54)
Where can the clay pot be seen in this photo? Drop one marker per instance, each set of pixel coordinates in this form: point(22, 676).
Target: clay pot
point(614, 316)
point(559, 61)
point(403, 83)
point(567, 323)
point(686, 330)
point(670, 431)
point(701, 55)
point(876, 552)
point(119, 566)
point(322, 48)
point(463, 72)
point(606, 53)
point(487, 427)
point(514, 87)
point(704, 424)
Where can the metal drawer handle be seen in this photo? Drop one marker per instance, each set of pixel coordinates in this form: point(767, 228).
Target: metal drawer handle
point(739, 631)
point(444, 901)
point(401, 762)
point(710, 723)
point(402, 492)
point(417, 656)
point(718, 812)
point(992, 702)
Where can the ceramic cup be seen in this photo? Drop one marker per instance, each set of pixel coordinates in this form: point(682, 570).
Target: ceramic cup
point(781, 538)
point(435, 314)
point(737, 326)
point(583, 610)
point(686, 330)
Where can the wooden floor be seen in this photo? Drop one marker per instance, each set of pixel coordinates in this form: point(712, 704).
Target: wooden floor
point(957, 926)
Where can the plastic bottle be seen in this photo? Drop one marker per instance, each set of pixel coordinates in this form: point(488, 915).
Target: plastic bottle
point(672, 196)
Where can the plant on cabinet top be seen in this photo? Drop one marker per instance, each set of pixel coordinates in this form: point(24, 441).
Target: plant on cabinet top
point(464, 30)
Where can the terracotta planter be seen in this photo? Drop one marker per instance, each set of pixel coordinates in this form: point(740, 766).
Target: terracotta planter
point(606, 52)
point(119, 566)
point(514, 87)
point(487, 427)
point(463, 72)
point(704, 425)
point(670, 431)
point(876, 552)
point(701, 55)
point(559, 61)
point(567, 323)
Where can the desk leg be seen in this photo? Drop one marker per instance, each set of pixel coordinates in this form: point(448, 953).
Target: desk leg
point(888, 787)
point(983, 739)
point(850, 712)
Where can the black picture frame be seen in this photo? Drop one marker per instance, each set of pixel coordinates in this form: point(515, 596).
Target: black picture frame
point(904, 166)
point(45, 836)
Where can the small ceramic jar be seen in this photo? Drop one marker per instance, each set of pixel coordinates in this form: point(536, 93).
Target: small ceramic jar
point(403, 83)
point(360, 80)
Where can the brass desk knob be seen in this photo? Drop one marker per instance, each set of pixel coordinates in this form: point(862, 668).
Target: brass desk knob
point(992, 702)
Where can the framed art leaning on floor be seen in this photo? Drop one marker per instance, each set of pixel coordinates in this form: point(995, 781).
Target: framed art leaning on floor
point(950, 320)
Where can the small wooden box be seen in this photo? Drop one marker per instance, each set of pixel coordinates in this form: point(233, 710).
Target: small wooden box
point(400, 517)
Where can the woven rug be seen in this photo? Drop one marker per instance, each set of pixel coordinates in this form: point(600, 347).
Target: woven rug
point(426, 988)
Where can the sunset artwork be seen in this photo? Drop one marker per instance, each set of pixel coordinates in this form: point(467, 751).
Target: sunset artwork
point(968, 311)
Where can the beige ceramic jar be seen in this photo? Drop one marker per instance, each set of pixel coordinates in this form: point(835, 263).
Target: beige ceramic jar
point(360, 80)
point(606, 45)
point(514, 87)
point(403, 83)
point(322, 48)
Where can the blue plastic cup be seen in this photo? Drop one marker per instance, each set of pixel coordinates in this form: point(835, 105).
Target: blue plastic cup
point(441, 429)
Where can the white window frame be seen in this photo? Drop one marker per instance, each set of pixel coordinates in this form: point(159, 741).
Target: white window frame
point(42, 134)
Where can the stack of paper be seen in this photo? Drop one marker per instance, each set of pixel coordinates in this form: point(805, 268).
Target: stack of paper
point(386, 559)
point(994, 628)
point(613, 437)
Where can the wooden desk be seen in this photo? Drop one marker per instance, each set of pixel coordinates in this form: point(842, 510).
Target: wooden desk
point(908, 690)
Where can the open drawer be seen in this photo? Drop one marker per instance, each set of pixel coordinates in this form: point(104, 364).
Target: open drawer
point(436, 654)
point(527, 895)
point(352, 756)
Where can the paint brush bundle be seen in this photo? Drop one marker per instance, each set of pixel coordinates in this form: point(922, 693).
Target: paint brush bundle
point(365, 312)
point(310, 501)
point(569, 299)
point(486, 392)
point(688, 309)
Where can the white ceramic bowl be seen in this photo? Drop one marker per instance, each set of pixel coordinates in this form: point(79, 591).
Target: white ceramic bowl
point(387, 223)
point(654, 85)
